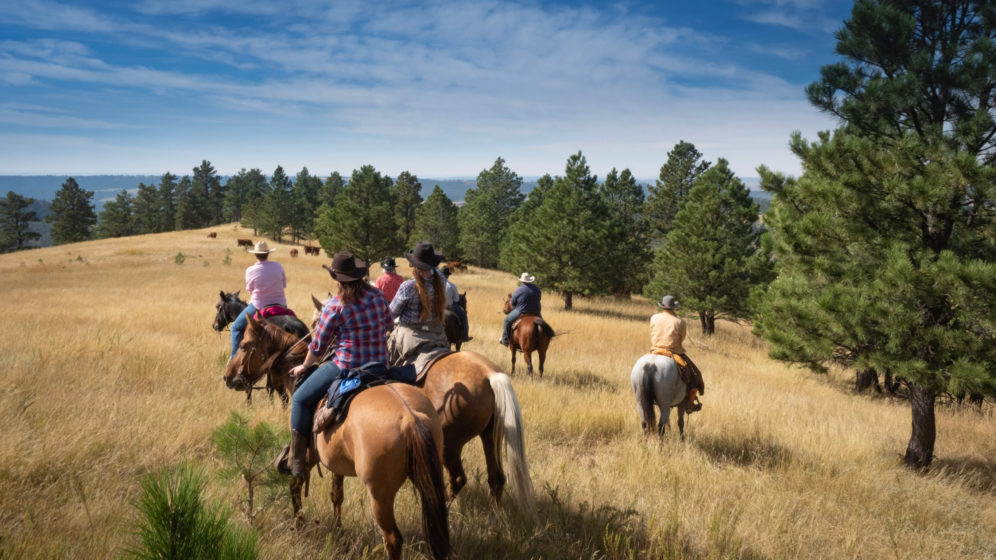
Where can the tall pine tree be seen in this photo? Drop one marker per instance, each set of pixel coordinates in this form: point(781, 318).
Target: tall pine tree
point(484, 218)
point(436, 221)
point(167, 201)
point(15, 222)
point(629, 231)
point(677, 176)
point(73, 216)
point(362, 218)
point(117, 219)
point(407, 198)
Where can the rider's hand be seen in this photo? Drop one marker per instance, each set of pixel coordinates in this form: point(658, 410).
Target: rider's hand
point(296, 370)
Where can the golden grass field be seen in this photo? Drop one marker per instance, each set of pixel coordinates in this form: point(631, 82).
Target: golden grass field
point(110, 370)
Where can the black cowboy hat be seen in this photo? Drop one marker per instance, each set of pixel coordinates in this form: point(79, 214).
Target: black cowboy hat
point(388, 263)
point(346, 267)
point(424, 256)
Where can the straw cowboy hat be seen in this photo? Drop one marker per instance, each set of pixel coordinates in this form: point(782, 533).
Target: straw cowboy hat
point(261, 248)
point(346, 267)
point(668, 302)
point(527, 278)
point(423, 256)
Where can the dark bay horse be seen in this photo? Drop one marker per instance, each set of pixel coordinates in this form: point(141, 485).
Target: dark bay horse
point(473, 398)
point(227, 310)
point(451, 322)
point(656, 383)
point(531, 333)
point(391, 434)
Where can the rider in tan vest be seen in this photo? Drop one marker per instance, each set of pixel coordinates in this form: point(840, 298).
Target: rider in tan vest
point(667, 336)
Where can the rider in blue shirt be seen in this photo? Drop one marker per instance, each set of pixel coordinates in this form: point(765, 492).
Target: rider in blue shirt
point(525, 300)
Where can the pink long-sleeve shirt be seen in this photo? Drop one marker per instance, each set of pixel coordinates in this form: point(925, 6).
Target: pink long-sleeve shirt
point(265, 283)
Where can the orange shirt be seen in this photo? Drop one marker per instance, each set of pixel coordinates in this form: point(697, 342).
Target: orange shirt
point(667, 332)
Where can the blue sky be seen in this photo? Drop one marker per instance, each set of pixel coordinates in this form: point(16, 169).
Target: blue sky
point(440, 89)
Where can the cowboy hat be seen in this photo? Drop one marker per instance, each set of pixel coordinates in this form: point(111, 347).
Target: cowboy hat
point(346, 267)
point(388, 264)
point(527, 278)
point(668, 302)
point(261, 248)
point(423, 256)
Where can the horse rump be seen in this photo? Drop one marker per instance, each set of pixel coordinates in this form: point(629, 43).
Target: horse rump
point(426, 472)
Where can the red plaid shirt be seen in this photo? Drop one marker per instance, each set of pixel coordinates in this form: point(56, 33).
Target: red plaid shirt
point(359, 330)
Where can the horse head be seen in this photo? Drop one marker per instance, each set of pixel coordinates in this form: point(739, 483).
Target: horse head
point(226, 310)
point(508, 304)
point(462, 300)
point(246, 366)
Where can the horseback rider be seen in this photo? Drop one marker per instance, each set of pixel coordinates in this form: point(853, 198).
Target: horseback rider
point(667, 336)
point(390, 280)
point(453, 304)
point(355, 321)
point(525, 300)
point(418, 308)
point(265, 283)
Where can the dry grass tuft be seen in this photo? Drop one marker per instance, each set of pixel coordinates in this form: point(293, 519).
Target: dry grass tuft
point(110, 370)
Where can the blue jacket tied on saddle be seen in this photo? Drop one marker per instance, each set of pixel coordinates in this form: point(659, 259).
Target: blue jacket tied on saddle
point(353, 381)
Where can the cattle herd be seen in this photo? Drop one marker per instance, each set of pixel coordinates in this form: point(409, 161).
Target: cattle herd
point(455, 266)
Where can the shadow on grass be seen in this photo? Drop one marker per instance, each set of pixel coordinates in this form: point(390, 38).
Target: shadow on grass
point(751, 452)
point(614, 314)
point(971, 473)
point(581, 380)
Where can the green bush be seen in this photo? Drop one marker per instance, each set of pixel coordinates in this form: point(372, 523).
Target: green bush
point(247, 452)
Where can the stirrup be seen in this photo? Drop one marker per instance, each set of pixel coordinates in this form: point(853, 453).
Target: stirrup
point(280, 463)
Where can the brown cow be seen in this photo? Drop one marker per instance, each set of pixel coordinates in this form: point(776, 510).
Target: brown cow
point(311, 250)
point(293, 252)
point(244, 242)
point(213, 235)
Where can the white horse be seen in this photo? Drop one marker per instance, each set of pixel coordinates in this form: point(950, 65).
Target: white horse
point(655, 381)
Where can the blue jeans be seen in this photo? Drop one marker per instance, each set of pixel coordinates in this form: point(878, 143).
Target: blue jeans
point(461, 313)
point(506, 328)
point(306, 397)
point(238, 328)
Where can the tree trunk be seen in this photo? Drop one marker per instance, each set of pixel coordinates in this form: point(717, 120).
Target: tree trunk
point(920, 451)
point(568, 301)
point(866, 379)
point(708, 321)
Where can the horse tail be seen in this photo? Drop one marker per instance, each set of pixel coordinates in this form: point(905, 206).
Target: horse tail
point(645, 396)
point(426, 471)
point(508, 429)
point(547, 329)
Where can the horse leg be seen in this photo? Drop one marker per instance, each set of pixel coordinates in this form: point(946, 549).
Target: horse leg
point(528, 355)
point(454, 466)
point(513, 358)
point(496, 475)
point(296, 486)
point(681, 420)
point(337, 494)
point(664, 421)
point(383, 512)
point(542, 359)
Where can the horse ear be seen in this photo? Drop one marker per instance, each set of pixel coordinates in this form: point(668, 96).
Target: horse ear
point(223, 294)
point(317, 304)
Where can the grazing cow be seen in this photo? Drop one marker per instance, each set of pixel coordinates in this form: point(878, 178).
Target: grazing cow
point(293, 252)
point(244, 242)
point(311, 250)
point(456, 266)
point(213, 235)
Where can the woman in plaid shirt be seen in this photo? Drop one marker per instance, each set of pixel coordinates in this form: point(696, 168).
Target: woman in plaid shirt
point(419, 306)
point(356, 321)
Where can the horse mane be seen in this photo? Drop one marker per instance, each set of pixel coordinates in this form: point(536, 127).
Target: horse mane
point(291, 346)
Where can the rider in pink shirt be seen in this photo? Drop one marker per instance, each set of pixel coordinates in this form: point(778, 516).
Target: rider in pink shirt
point(265, 282)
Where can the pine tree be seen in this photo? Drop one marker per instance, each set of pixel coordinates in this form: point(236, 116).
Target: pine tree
point(623, 197)
point(566, 241)
point(117, 219)
point(274, 213)
point(677, 176)
point(407, 198)
point(15, 222)
point(184, 216)
point(72, 216)
point(436, 222)
point(330, 189)
point(485, 215)
point(362, 218)
point(885, 245)
point(167, 201)
point(147, 209)
point(304, 204)
point(710, 259)
point(208, 194)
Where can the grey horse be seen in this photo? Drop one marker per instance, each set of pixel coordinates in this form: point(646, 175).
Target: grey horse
point(655, 381)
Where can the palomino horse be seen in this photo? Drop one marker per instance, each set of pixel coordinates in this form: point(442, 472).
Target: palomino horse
point(531, 333)
point(451, 322)
point(471, 395)
point(655, 382)
point(261, 352)
point(391, 434)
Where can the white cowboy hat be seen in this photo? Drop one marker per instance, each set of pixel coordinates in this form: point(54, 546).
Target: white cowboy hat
point(527, 278)
point(261, 248)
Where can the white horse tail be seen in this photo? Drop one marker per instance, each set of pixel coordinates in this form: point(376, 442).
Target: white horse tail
point(508, 429)
point(645, 395)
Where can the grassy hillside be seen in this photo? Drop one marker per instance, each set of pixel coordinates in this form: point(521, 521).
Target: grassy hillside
point(110, 370)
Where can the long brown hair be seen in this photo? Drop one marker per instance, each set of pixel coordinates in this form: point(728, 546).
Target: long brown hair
point(352, 292)
point(437, 307)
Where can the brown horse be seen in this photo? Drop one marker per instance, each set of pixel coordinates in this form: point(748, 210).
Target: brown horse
point(451, 322)
point(471, 395)
point(391, 434)
point(531, 333)
point(266, 349)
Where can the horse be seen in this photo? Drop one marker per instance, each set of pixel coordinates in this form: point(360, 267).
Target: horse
point(391, 433)
point(227, 310)
point(266, 349)
point(531, 333)
point(472, 396)
point(451, 322)
point(655, 382)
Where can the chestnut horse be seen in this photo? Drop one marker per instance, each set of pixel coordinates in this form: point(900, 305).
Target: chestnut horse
point(266, 349)
point(391, 434)
point(471, 395)
point(451, 322)
point(531, 333)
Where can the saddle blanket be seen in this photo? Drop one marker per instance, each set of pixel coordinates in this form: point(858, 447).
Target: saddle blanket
point(353, 381)
point(275, 310)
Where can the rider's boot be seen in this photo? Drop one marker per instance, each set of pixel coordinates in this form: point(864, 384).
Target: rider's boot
point(297, 461)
